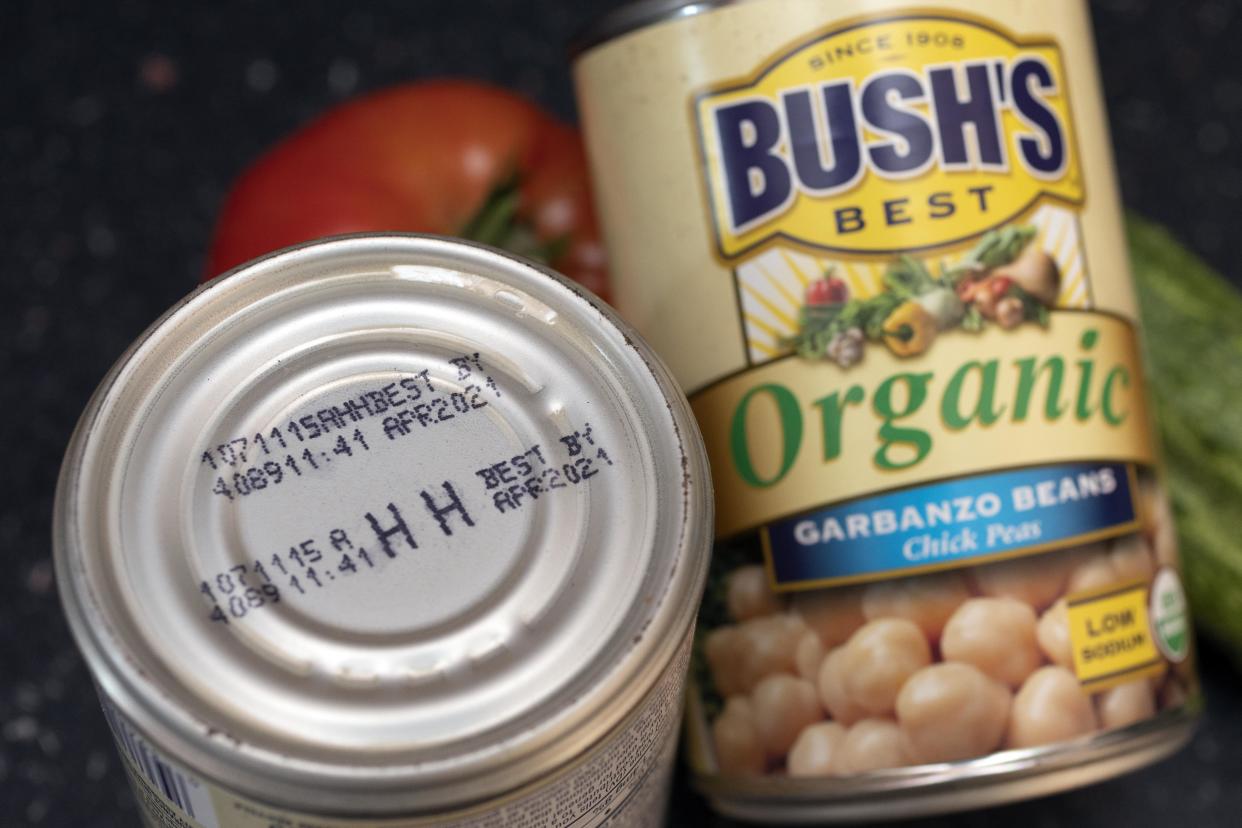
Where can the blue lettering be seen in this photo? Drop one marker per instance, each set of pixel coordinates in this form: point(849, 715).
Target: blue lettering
point(821, 140)
point(978, 109)
point(755, 176)
point(912, 146)
point(1044, 155)
point(804, 136)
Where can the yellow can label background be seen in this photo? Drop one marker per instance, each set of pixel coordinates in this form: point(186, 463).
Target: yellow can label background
point(891, 284)
point(881, 248)
point(716, 302)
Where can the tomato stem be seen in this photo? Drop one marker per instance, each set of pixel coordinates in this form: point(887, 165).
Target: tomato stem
point(497, 223)
point(495, 220)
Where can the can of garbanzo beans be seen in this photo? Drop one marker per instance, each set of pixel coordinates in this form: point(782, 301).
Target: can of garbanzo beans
point(881, 247)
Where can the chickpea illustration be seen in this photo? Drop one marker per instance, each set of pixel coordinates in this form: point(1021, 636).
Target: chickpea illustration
point(1131, 559)
point(1161, 532)
point(723, 650)
point(1036, 272)
point(930, 668)
point(1050, 707)
point(952, 711)
point(832, 695)
point(748, 594)
point(927, 600)
point(874, 744)
point(1126, 704)
point(1095, 570)
point(1172, 694)
point(740, 706)
point(809, 655)
point(1185, 669)
point(1010, 312)
point(768, 645)
point(783, 706)
point(879, 658)
point(834, 613)
point(997, 635)
point(817, 750)
point(738, 748)
point(1037, 580)
point(1052, 633)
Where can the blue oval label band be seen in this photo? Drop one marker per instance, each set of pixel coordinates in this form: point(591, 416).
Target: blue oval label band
point(952, 523)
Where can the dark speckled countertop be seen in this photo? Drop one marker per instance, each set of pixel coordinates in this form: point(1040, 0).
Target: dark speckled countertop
point(121, 124)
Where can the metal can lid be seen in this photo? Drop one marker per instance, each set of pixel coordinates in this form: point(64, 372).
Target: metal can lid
point(383, 523)
point(640, 14)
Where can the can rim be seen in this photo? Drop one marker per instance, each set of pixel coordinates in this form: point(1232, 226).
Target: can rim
point(633, 16)
point(925, 790)
point(269, 776)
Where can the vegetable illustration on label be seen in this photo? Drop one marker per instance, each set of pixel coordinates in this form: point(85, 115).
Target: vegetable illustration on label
point(1005, 280)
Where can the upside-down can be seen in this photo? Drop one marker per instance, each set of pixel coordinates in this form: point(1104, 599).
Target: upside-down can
point(881, 247)
point(388, 531)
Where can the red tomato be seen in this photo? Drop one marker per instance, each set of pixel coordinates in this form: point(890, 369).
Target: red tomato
point(449, 156)
point(830, 291)
point(999, 285)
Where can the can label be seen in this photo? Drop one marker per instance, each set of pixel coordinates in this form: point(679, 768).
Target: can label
point(903, 367)
point(166, 793)
point(917, 369)
point(623, 782)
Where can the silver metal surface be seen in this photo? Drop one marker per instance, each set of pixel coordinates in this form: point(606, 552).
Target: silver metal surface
point(374, 409)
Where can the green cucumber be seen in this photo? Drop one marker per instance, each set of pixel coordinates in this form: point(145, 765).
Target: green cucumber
point(1192, 319)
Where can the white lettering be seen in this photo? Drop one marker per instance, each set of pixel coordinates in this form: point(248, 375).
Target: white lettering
point(884, 522)
point(805, 533)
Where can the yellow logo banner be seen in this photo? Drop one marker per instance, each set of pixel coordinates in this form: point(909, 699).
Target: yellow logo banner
point(898, 133)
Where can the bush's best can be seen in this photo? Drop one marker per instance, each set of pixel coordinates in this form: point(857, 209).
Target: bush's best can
point(388, 531)
point(881, 247)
